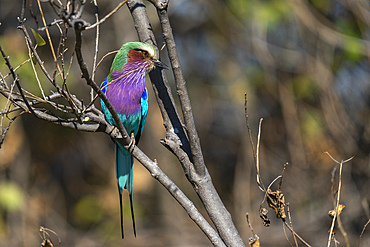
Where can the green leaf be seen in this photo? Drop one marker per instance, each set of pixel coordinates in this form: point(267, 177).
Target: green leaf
point(39, 40)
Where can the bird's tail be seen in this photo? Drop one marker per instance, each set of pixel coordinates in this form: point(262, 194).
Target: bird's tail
point(125, 179)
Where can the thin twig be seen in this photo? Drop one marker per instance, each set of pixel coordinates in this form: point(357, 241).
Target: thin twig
point(76, 108)
point(250, 225)
point(259, 179)
point(290, 220)
point(15, 69)
point(45, 231)
point(252, 240)
point(282, 175)
point(35, 72)
point(16, 79)
point(8, 98)
point(362, 232)
point(96, 48)
point(255, 154)
point(299, 237)
point(7, 128)
point(39, 61)
point(286, 236)
point(107, 16)
point(268, 188)
point(48, 35)
point(248, 127)
point(343, 231)
point(101, 60)
point(337, 202)
point(47, 100)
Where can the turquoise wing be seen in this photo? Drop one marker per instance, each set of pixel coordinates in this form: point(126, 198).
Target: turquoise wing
point(107, 114)
point(144, 113)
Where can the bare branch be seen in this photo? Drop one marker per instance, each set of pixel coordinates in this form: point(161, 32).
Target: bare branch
point(363, 230)
point(200, 179)
point(255, 153)
point(336, 201)
point(181, 88)
point(296, 235)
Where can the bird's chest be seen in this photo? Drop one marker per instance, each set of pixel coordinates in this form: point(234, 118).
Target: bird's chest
point(126, 100)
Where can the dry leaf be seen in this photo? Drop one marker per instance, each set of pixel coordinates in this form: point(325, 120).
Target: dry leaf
point(276, 201)
point(265, 219)
point(254, 242)
point(340, 209)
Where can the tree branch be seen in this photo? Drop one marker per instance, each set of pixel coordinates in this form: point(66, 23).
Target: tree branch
point(196, 172)
point(181, 88)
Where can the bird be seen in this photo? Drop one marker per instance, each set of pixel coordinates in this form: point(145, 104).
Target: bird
point(126, 91)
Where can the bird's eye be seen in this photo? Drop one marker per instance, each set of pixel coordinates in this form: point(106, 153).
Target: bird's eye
point(145, 53)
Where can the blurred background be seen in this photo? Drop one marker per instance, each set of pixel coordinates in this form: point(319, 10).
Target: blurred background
point(305, 68)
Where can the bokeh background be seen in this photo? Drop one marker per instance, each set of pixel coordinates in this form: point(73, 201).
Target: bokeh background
point(305, 68)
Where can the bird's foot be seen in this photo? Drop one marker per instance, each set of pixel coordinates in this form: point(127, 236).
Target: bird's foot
point(131, 146)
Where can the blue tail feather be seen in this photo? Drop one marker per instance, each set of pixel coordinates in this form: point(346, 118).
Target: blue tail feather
point(125, 179)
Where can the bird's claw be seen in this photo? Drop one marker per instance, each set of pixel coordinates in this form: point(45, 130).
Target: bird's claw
point(131, 146)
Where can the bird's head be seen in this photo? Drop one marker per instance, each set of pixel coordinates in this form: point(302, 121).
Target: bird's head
point(137, 54)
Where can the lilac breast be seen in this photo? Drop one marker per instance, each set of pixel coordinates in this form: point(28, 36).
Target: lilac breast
point(125, 92)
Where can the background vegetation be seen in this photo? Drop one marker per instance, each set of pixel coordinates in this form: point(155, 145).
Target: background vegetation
point(305, 68)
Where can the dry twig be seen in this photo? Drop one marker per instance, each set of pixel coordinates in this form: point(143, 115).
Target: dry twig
point(336, 202)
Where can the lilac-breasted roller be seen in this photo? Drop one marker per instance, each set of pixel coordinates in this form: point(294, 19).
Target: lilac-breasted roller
point(125, 89)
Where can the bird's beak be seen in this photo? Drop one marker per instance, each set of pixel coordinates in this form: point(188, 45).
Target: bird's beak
point(159, 64)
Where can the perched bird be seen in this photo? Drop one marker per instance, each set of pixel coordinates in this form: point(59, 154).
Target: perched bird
point(125, 89)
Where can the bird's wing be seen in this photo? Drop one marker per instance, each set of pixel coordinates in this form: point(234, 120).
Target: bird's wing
point(144, 113)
